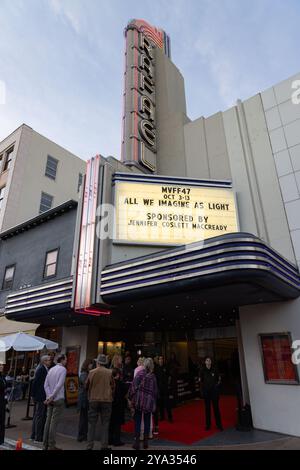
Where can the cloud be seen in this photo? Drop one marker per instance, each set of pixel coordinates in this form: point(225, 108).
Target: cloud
point(67, 13)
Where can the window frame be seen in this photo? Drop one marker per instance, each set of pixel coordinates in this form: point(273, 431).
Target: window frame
point(57, 162)
point(1, 198)
point(47, 194)
point(12, 279)
point(80, 181)
point(45, 265)
point(7, 160)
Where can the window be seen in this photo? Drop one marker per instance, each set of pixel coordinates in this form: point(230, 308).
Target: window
point(8, 158)
point(46, 202)
point(2, 192)
point(8, 277)
point(51, 167)
point(79, 181)
point(51, 263)
point(1, 160)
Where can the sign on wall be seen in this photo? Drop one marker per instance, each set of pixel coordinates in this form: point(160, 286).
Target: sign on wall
point(139, 117)
point(277, 359)
point(171, 214)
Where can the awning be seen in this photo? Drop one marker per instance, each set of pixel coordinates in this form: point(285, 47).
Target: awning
point(8, 327)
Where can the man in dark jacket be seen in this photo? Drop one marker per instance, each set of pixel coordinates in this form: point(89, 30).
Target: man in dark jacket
point(39, 396)
point(210, 380)
point(163, 380)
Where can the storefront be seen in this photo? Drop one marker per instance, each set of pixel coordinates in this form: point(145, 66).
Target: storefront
point(187, 246)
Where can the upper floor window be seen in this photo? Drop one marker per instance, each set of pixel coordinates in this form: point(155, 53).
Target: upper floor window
point(51, 263)
point(80, 177)
point(51, 167)
point(46, 202)
point(2, 192)
point(8, 158)
point(8, 277)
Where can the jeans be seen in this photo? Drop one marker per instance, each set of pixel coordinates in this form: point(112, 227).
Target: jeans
point(103, 410)
point(54, 412)
point(39, 420)
point(137, 421)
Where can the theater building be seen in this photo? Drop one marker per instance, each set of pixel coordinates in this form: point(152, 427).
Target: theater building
point(188, 244)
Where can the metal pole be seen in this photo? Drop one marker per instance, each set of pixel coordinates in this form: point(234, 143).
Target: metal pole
point(10, 398)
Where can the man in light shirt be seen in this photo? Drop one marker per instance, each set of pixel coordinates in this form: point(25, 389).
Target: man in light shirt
point(55, 401)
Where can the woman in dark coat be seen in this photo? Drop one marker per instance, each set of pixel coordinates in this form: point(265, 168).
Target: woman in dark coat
point(210, 380)
point(118, 409)
point(83, 403)
point(2, 404)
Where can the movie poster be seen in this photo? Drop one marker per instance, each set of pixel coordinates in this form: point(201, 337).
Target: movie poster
point(277, 359)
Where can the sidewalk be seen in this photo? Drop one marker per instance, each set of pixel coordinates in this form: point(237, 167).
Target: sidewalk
point(229, 439)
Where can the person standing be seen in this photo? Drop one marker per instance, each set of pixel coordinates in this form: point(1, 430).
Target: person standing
point(118, 409)
point(100, 395)
point(173, 369)
point(143, 397)
point(39, 396)
point(83, 403)
point(128, 371)
point(24, 381)
point(55, 400)
point(211, 380)
point(140, 366)
point(2, 404)
point(162, 377)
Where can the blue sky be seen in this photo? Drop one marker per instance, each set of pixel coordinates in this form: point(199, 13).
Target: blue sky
point(62, 60)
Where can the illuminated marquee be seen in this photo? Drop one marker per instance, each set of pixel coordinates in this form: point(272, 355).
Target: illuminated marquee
point(82, 298)
point(171, 214)
point(139, 120)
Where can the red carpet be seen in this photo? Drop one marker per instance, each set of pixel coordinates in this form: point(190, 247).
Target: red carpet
point(189, 421)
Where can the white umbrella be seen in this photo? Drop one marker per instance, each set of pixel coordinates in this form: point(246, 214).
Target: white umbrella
point(22, 342)
point(25, 342)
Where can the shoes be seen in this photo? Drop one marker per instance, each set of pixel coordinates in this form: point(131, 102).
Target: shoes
point(155, 432)
point(145, 444)
point(207, 428)
point(220, 428)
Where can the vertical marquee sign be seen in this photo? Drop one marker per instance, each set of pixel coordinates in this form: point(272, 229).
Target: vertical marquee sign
point(82, 300)
point(139, 117)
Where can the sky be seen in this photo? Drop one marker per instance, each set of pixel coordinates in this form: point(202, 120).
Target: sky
point(61, 61)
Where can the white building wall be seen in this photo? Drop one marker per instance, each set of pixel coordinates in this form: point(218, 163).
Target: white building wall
point(274, 407)
point(27, 180)
point(6, 177)
point(283, 121)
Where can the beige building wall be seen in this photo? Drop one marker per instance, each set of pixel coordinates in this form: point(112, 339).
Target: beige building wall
point(282, 115)
point(26, 178)
point(235, 145)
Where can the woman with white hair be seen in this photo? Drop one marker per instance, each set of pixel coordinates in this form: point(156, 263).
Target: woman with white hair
point(143, 396)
